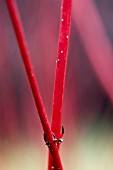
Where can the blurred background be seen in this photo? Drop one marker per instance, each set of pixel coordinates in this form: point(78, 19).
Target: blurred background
point(88, 98)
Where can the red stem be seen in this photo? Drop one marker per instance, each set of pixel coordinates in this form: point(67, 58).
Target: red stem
point(32, 81)
point(96, 42)
point(61, 61)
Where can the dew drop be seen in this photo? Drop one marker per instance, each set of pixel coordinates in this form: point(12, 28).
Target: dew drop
point(57, 60)
point(52, 167)
point(61, 52)
point(67, 36)
point(62, 19)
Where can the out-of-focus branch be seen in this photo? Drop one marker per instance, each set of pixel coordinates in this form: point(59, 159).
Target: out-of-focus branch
point(95, 41)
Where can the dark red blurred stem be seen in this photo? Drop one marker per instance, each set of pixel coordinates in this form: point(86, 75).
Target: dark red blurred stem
point(9, 126)
point(61, 61)
point(32, 81)
point(96, 42)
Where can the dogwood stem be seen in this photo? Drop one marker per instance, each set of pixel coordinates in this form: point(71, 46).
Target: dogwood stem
point(16, 21)
point(61, 62)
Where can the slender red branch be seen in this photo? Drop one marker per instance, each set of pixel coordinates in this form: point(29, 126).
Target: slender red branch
point(32, 81)
point(95, 41)
point(61, 63)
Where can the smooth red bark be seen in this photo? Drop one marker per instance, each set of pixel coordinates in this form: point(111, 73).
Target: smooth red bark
point(61, 62)
point(32, 81)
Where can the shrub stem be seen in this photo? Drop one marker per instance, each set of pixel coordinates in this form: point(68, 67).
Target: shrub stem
point(16, 21)
point(61, 62)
